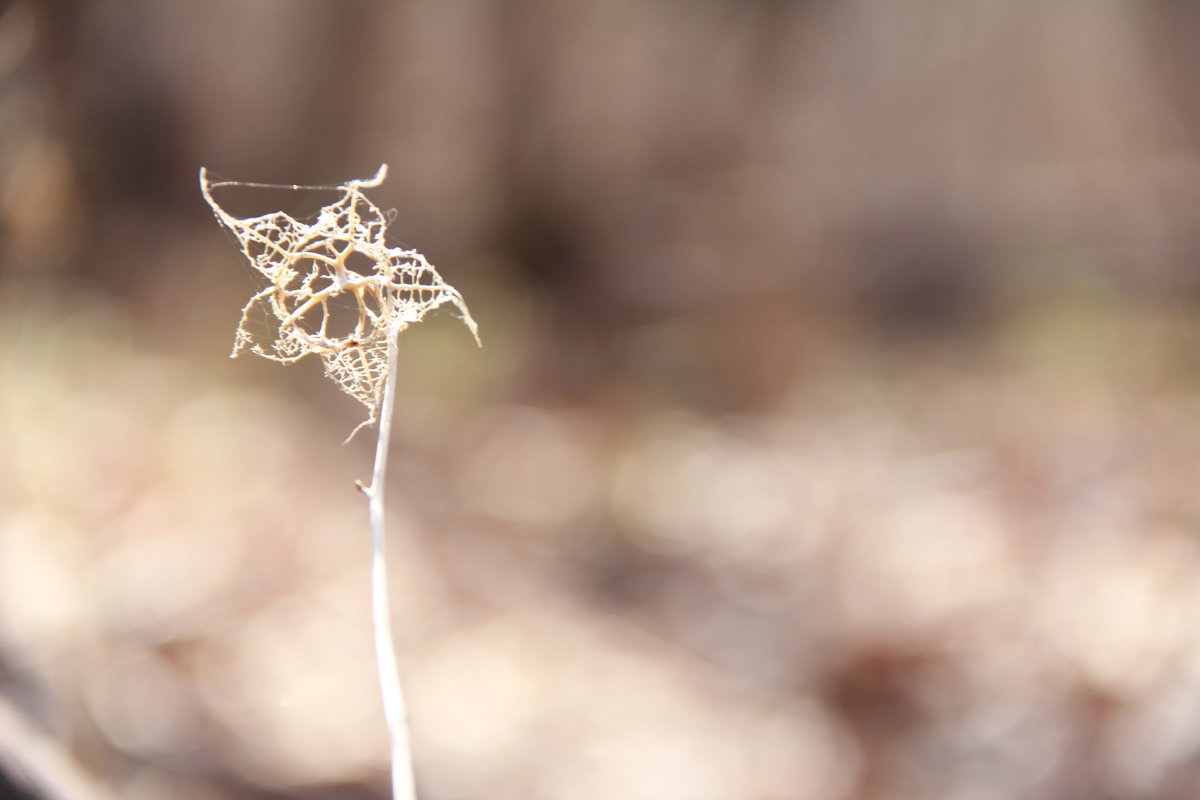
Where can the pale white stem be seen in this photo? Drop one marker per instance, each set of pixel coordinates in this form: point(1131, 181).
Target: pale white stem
point(395, 710)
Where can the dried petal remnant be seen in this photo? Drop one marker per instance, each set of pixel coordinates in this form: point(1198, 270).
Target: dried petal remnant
point(310, 284)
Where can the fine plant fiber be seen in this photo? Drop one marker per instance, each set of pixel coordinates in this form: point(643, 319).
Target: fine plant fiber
point(335, 289)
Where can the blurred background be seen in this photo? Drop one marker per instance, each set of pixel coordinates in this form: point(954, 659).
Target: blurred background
point(835, 434)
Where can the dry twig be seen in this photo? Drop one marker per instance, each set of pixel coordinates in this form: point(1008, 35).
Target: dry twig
point(316, 301)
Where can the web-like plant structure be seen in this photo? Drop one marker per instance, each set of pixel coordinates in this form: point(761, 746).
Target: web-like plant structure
point(333, 287)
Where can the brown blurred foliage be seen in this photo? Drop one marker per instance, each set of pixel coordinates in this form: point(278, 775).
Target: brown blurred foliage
point(834, 438)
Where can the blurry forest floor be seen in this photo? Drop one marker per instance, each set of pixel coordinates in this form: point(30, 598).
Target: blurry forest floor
point(957, 571)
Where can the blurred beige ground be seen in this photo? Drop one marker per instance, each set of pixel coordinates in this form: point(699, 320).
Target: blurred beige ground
point(834, 437)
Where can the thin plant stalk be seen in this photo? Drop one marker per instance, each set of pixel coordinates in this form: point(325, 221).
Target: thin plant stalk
point(307, 269)
point(395, 710)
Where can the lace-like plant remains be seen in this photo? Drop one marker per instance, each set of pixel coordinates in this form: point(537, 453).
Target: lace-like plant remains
point(318, 300)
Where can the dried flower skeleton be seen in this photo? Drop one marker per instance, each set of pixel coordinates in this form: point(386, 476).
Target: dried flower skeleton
point(334, 288)
point(318, 299)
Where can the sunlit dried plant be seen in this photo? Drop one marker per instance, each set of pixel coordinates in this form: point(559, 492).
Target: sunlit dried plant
point(335, 289)
point(316, 302)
